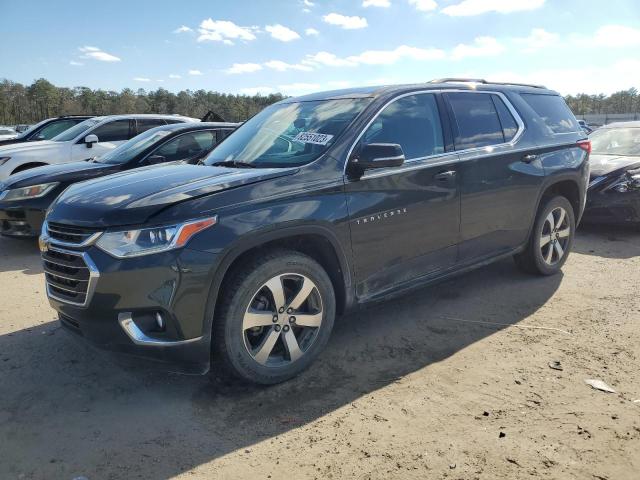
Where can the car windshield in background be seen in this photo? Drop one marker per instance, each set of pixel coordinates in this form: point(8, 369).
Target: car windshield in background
point(73, 132)
point(616, 141)
point(288, 134)
point(133, 147)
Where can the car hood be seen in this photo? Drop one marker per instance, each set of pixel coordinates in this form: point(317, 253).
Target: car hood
point(28, 146)
point(65, 172)
point(606, 164)
point(131, 198)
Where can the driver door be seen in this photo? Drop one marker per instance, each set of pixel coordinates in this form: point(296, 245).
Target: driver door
point(405, 220)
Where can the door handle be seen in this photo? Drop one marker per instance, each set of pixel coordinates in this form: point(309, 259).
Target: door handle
point(529, 158)
point(443, 176)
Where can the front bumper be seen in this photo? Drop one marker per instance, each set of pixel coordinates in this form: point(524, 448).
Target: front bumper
point(18, 221)
point(123, 299)
point(612, 207)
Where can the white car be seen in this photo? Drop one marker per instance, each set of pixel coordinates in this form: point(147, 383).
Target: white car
point(92, 138)
point(7, 133)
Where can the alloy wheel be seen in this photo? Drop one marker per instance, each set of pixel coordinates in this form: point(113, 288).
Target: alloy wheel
point(282, 320)
point(556, 232)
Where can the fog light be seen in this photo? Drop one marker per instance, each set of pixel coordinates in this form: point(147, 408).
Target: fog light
point(159, 321)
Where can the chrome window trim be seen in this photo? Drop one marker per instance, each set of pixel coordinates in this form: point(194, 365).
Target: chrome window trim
point(510, 107)
point(94, 274)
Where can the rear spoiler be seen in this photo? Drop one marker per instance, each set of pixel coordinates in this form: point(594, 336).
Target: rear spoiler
point(212, 116)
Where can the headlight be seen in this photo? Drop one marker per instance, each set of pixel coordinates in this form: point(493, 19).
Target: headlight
point(630, 180)
point(134, 243)
point(4, 160)
point(33, 191)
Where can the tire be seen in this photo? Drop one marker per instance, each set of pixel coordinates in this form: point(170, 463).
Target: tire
point(253, 322)
point(542, 254)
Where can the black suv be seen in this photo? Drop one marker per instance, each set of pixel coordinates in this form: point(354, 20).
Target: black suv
point(47, 129)
point(315, 206)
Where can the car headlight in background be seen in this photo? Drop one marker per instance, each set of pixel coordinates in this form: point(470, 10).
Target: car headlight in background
point(33, 191)
point(630, 180)
point(145, 241)
point(4, 160)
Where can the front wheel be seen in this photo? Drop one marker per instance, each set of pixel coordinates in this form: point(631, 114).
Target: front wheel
point(551, 238)
point(275, 317)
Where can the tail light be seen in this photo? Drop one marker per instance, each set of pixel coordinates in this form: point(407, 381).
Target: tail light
point(585, 145)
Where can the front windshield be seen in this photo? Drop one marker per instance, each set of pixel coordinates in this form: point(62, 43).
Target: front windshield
point(73, 132)
point(616, 141)
point(133, 147)
point(288, 134)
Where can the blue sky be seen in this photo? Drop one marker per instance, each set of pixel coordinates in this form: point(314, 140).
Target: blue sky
point(298, 46)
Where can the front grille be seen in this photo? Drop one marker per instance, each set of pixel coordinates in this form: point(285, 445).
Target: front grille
point(67, 276)
point(67, 234)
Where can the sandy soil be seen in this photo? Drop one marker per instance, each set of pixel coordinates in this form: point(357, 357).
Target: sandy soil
point(410, 389)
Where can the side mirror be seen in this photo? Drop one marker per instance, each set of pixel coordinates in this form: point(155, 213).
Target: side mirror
point(155, 159)
point(378, 155)
point(89, 140)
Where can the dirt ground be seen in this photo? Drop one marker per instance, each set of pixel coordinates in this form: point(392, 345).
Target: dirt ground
point(418, 388)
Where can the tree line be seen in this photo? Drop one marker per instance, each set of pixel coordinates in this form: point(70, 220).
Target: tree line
point(32, 103)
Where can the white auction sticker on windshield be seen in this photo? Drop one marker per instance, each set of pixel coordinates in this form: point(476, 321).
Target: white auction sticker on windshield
point(315, 138)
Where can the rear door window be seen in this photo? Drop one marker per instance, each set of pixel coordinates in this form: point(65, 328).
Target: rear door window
point(115, 131)
point(509, 124)
point(413, 122)
point(144, 124)
point(553, 111)
point(476, 122)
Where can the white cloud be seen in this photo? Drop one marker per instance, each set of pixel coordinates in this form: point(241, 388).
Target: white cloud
point(468, 8)
point(539, 38)
point(257, 91)
point(224, 31)
point(76, 64)
point(424, 5)
point(299, 88)
point(183, 29)
point(327, 59)
point(482, 47)
point(308, 3)
point(388, 57)
point(96, 54)
point(344, 21)
point(237, 68)
point(376, 3)
point(591, 79)
point(282, 33)
point(617, 36)
point(195, 72)
point(141, 79)
point(311, 31)
point(173, 75)
point(281, 66)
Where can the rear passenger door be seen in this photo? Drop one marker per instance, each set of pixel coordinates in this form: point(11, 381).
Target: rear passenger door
point(499, 176)
point(405, 220)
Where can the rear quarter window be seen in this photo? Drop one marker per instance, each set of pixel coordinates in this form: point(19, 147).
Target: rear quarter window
point(553, 111)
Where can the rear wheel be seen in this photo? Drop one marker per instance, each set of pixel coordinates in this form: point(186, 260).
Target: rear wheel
point(275, 317)
point(551, 239)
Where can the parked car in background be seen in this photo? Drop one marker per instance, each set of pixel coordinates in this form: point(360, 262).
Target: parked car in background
point(23, 127)
point(313, 207)
point(614, 189)
point(46, 129)
point(25, 196)
point(7, 133)
point(89, 139)
point(585, 126)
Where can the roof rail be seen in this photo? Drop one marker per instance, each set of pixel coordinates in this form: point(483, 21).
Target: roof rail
point(483, 81)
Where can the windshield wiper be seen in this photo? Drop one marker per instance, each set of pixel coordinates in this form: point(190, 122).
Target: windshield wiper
point(233, 164)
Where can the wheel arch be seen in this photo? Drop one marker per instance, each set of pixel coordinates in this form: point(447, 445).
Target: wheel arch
point(27, 166)
point(316, 241)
